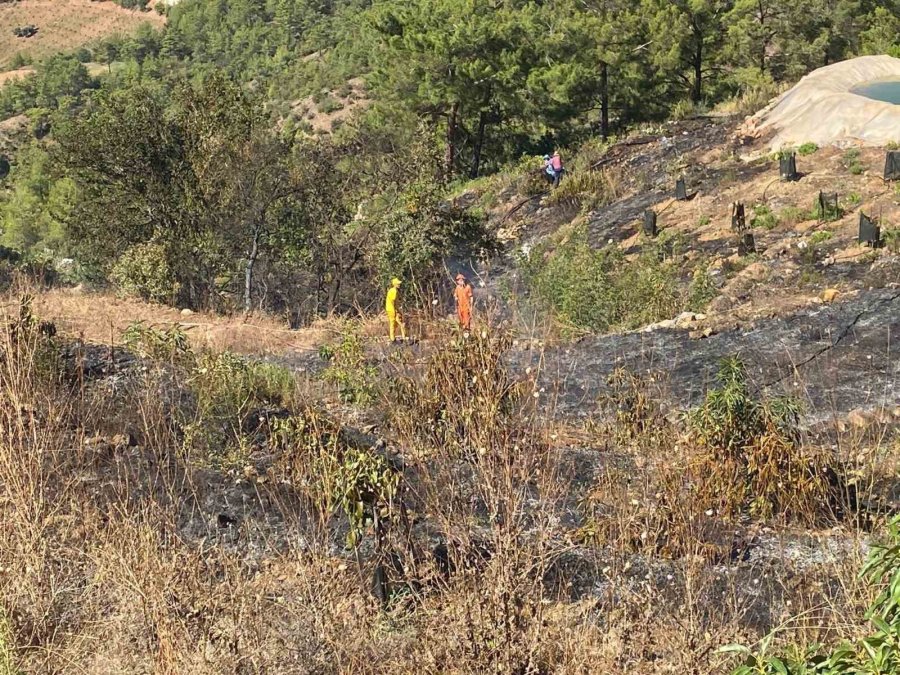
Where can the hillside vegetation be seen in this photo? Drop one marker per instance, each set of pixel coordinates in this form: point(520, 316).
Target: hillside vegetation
point(653, 452)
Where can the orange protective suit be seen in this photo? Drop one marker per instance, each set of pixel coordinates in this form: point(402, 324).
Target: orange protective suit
point(464, 299)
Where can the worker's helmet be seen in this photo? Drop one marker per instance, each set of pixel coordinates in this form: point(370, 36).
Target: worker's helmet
point(395, 282)
point(460, 277)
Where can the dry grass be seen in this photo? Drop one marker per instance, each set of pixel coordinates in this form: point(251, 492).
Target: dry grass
point(64, 25)
point(102, 318)
point(115, 558)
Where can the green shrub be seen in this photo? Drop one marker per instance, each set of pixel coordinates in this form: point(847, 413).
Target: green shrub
point(598, 290)
point(807, 149)
point(854, 199)
point(820, 237)
point(875, 654)
point(852, 161)
point(891, 239)
point(169, 345)
point(702, 290)
point(831, 212)
point(143, 271)
point(751, 455)
point(783, 153)
point(329, 104)
point(763, 217)
point(350, 370)
point(227, 390)
point(7, 647)
point(792, 215)
point(590, 189)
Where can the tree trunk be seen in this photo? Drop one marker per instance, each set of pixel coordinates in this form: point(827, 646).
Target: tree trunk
point(697, 91)
point(604, 100)
point(248, 270)
point(479, 138)
point(450, 156)
point(479, 144)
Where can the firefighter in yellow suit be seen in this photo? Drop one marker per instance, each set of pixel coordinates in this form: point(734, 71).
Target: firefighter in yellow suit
point(390, 305)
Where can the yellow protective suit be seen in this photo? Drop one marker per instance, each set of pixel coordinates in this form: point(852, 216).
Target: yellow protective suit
point(390, 305)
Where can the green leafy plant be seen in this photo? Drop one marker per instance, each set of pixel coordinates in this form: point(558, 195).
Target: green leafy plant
point(876, 654)
point(144, 271)
point(7, 647)
point(820, 237)
point(702, 290)
point(591, 289)
point(350, 370)
point(852, 161)
point(891, 239)
point(792, 215)
point(828, 213)
point(807, 149)
point(589, 188)
point(170, 344)
point(763, 217)
point(753, 459)
point(358, 482)
point(227, 390)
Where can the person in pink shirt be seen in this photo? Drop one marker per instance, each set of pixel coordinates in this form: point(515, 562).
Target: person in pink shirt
point(553, 167)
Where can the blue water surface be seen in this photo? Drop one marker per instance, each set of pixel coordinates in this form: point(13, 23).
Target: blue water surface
point(882, 90)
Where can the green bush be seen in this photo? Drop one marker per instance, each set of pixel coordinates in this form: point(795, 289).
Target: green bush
point(350, 370)
point(820, 237)
point(702, 290)
point(590, 189)
point(876, 654)
point(852, 161)
point(763, 217)
point(830, 213)
point(807, 149)
point(751, 456)
point(598, 290)
point(792, 215)
point(227, 390)
point(169, 345)
point(891, 239)
point(143, 271)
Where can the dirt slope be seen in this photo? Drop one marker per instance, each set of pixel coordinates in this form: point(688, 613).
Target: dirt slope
point(63, 25)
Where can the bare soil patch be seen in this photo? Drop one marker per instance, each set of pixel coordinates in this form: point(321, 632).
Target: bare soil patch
point(64, 25)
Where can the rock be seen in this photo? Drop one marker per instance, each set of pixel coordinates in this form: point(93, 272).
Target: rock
point(186, 312)
point(700, 334)
point(829, 295)
point(686, 319)
point(829, 261)
point(668, 323)
point(757, 272)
